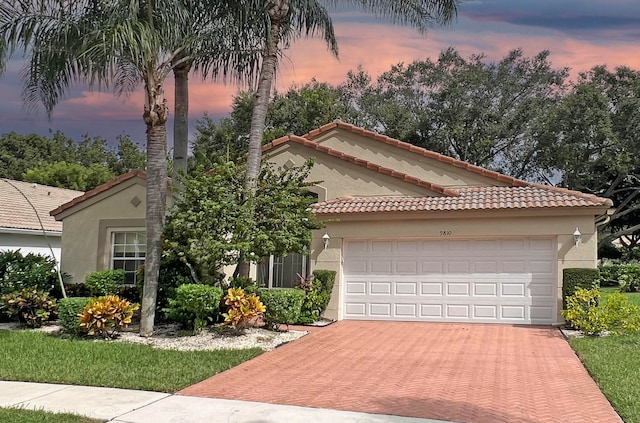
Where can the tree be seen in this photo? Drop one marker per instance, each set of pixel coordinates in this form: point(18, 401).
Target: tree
point(476, 111)
point(288, 18)
point(212, 224)
point(19, 153)
point(591, 144)
point(69, 175)
point(117, 43)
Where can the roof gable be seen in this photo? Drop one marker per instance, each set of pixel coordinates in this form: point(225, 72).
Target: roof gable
point(110, 187)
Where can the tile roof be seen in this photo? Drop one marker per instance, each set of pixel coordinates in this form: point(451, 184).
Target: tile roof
point(360, 162)
point(97, 190)
point(17, 213)
point(476, 198)
point(414, 149)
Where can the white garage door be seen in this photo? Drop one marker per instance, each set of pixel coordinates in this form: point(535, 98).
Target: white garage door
point(479, 280)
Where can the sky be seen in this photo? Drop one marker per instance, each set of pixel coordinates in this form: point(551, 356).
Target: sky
point(578, 33)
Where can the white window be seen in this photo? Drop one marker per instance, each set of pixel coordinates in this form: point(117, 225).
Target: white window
point(128, 251)
point(282, 272)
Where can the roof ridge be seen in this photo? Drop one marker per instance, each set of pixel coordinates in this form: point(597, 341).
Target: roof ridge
point(415, 149)
point(361, 162)
point(100, 188)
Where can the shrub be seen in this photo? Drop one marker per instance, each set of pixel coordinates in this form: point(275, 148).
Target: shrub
point(241, 309)
point(609, 273)
point(317, 295)
point(573, 278)
point(247, 284)
point(130, 293)
point(77, 290)
point(106, 315)
point(629, 278)
point(104, 282)
point(591, 316)
point(194, 305)
point(173, 273)
point(31, 306)
point(18, 272)
point(326, 278)
point(283, 306)
point(69, 310)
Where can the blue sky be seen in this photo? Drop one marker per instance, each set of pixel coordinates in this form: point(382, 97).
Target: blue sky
point(579, 34)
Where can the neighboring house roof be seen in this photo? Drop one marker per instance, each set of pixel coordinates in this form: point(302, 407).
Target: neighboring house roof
point(477, 198)
point(519, 195)
point(99, 189)
point(17, 212)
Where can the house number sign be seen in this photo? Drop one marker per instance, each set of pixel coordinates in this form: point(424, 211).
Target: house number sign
point(446, 233)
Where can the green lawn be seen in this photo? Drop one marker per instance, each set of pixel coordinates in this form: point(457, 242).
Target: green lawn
point(612, 361)
point(38, 357)
point(633, 297)
point(18, 415)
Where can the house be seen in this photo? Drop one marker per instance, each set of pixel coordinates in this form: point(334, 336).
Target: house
point(413, 235)
point(25, 223)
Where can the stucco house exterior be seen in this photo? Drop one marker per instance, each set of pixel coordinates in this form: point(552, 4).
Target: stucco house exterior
point(413, 235)
point(24, 206)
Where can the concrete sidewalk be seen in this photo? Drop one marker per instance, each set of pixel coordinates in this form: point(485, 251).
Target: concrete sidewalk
point(129, 406)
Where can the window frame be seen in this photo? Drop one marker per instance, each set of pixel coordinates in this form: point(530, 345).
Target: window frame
point(111, 233)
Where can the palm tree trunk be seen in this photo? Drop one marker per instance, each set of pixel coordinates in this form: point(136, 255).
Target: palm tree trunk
point(155, 116)
point(278, 11)
point(181, 120)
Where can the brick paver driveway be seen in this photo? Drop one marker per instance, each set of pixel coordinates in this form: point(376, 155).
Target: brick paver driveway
point(458, 372)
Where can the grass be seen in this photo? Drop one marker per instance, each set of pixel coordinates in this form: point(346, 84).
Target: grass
point(37, 357)
point(633, 297)
point(612, 361)
point(19, 415)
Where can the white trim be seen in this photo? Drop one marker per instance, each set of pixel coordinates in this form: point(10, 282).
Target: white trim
point(29, 232)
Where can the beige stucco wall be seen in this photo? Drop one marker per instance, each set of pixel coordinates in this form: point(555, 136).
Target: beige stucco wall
point(462, 226)
point(84, 242)
point(402, 160)
point(342, 178)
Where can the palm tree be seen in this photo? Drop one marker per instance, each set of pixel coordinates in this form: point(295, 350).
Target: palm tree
point(117, 43)
point(285, 16)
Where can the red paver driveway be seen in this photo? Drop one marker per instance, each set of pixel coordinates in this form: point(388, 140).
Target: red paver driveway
point(458, 372)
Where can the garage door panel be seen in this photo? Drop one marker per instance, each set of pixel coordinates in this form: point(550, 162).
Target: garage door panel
point(384, 267)
point(406, 288)
point(380, 309)
point(434, 311)
point(485, 312)
point(355, 287)
point(380, 288)
point(407, 267)
point(432, 267)
point(484, 289)
point(458, 311)
point(431, 288)
point(497, 280)
point(513, 312)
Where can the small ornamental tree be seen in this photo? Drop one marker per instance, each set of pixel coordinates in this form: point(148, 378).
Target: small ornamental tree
point(211, 223)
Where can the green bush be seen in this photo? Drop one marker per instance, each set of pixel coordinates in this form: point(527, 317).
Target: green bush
point(173, 273)
point(104, 282)
point(629, 277)
point(248, 285)
point(30, 306)
point(18, 272)
point(194, 305)
point(317, 295)
point(68, 310)
point(609, 273)
point(77, 290)
point(283, 306)
point(591, 316)
point(573, 278)
point(326, 278)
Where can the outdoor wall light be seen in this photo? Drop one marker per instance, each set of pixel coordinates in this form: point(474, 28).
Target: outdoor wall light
point(325, 240)
point(577, 236)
